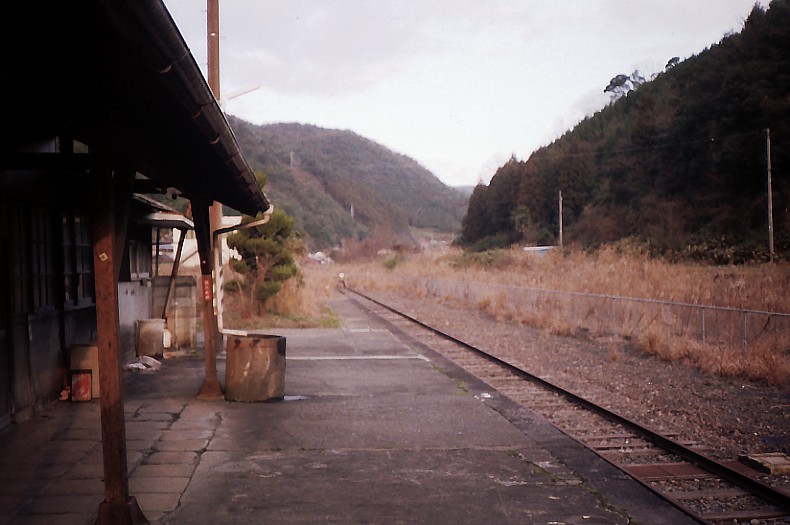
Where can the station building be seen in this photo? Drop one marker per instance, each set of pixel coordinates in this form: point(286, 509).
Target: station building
point(101, 103)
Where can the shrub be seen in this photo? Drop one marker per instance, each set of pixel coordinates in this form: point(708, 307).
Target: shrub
point(491, 242)
point(391, 262)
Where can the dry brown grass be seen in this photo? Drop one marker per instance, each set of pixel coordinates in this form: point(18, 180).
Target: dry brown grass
point(614, 272)
point(761, 362)
point(300, 304)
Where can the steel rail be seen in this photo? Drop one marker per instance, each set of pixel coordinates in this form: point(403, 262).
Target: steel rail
point(748, 484)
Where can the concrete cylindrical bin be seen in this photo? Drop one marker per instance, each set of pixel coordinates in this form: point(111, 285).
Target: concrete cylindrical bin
point(255, 368)
point(150, 337)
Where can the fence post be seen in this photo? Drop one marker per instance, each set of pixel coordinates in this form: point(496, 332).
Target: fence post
point(611, 328)
point(703, 325)
point(666, 320)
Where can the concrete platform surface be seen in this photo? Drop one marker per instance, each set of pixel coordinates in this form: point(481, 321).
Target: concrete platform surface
point(374, 429)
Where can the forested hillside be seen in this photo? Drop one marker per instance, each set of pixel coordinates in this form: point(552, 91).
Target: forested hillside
point(317, 175)
point(678, 163)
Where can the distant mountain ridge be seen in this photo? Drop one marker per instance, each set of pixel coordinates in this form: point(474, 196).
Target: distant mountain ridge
point(321, 176)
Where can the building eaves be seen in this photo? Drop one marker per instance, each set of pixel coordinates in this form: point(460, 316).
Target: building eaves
point(117, 75)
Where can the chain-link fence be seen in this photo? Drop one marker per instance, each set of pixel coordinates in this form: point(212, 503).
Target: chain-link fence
point(627, 316)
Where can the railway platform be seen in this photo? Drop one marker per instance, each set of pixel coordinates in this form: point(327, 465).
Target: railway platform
point(372, 430)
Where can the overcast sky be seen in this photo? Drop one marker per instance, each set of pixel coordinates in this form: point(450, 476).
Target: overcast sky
point(458, 85)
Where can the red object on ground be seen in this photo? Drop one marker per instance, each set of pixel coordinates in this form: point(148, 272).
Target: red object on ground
point(81, 384)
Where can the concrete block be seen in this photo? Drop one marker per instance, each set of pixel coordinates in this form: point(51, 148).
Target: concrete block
point(150, 337)
point(172, 458)
point(157, 485)
point(773, 463)
point(164, 471)
point(150, 502)
point(183, 445)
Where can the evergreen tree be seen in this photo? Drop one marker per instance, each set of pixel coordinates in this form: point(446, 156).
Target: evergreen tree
point(267, 257)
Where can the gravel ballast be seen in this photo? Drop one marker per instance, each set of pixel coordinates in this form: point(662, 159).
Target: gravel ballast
point(728, 417)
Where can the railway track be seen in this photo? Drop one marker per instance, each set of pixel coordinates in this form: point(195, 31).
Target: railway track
point(708, 490)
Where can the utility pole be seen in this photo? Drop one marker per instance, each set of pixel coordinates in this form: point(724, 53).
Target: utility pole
point(770, 196)
point(212, 40)
point(560, 199)
point(211, 388)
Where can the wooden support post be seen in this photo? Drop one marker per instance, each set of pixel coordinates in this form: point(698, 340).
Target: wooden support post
point(211, 386)
point(118, 507)
point(158, 247)
point(171, 283)
point(122, 180)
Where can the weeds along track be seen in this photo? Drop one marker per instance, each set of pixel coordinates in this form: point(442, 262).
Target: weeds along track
point(679, 471)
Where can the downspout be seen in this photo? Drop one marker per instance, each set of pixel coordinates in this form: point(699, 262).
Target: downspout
point(218, 257)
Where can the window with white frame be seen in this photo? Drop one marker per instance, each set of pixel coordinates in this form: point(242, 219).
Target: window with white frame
point(140, 260)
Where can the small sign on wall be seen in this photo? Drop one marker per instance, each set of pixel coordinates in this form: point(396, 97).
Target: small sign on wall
point(81, 385)
point(207, 288)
